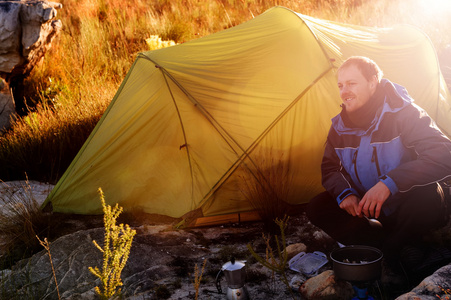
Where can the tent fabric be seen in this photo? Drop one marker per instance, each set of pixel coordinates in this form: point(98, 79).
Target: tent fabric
point(190, 123)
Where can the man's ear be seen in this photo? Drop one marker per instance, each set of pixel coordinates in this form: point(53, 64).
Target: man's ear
point(373, 83)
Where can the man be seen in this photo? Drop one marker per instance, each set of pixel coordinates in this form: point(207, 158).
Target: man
point(384, 159)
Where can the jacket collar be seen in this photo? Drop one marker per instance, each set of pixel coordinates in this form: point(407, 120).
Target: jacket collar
point(396, 98)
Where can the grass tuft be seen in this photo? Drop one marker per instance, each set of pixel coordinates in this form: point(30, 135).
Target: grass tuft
point(266, 185)
point(21, 220)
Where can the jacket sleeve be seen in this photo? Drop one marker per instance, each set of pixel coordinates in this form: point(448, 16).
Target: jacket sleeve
point(335, 179)
point(432, 147)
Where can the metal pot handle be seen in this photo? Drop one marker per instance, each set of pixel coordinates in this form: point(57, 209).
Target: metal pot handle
point(218, 279)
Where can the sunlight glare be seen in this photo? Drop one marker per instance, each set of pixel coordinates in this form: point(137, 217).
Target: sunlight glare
point(433, 8)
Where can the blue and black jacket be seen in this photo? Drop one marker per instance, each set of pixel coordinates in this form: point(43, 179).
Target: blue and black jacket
point(402, 147)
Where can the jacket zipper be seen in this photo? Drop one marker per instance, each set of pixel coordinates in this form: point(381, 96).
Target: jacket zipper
point(354, 161)
point(375, 160)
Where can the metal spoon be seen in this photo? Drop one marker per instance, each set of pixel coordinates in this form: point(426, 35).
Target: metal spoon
point(373, 222)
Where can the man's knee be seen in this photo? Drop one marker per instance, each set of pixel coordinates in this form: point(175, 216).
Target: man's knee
point(423, 206)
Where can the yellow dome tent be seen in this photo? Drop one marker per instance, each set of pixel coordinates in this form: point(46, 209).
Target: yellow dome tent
point(191, 121)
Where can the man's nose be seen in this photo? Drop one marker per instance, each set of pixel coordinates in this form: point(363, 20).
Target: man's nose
point(344, 91)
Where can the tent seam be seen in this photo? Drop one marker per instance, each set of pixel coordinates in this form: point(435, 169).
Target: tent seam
point(90, 137)
point(224, 134)
point(240, 157)
point(439, 74)
point(205, 112)
point(183, 131)
point(245, 152)
point(316, 37)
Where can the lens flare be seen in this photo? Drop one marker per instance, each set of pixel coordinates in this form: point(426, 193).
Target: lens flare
point(432, 8)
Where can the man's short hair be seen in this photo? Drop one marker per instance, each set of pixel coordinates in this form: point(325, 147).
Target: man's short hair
point(367, 66)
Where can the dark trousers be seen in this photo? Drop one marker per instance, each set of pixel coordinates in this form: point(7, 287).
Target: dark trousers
point(417, 212)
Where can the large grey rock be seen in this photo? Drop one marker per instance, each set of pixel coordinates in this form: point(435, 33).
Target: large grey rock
point(148, 265)
point(70, 257)
point(432, 287)
point(27, 29)
point(10, 29)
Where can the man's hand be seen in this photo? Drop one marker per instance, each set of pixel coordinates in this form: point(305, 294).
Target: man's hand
point(371, 203)
point(350, 204)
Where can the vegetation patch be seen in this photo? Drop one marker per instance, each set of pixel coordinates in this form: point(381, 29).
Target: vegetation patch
point(68, 92)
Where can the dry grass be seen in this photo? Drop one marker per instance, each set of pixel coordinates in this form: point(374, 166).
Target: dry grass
point(69, 91)
point(21, 221)
point(266, 185)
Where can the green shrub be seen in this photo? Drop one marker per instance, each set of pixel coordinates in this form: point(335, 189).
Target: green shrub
point(275, 260)
point(116, 250)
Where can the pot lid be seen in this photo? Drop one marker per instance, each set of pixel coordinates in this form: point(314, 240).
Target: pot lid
point(233, 265)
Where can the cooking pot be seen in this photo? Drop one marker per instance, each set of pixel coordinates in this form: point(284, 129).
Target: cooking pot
point(357, 263)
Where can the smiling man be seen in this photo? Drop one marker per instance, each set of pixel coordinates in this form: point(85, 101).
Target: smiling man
point(385, 159)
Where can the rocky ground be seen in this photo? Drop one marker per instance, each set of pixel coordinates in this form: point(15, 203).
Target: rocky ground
point(163, 260)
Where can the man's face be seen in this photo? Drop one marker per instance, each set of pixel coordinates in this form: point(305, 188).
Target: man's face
point(355, 89)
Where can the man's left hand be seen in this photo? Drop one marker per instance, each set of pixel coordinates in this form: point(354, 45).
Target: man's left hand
point(372, 201)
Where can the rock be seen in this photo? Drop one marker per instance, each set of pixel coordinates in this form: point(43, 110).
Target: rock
point(10, 28)
point(71, 261)
point(7, 107)
point(161, 257)
point(27, 29)
point(326, 286)
point(26, 188)
point(162, 260)
point(296, 281)
point(412, 296)
point(38, 30)
point(294, 249)
point(438, 283)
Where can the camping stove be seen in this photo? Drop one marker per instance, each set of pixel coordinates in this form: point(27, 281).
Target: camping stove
point(361, 291)
point(360, 265)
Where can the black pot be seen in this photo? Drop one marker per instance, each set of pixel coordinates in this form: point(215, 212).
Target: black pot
point(357, 263)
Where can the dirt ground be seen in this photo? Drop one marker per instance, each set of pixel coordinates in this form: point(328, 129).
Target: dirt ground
point(176, 253)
